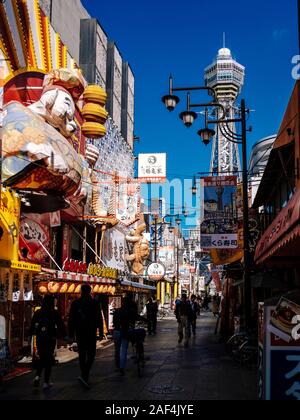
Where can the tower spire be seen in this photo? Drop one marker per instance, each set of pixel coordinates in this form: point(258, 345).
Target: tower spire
point(224, 39)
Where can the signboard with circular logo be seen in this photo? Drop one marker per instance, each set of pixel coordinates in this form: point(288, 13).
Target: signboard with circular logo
point(156, 271)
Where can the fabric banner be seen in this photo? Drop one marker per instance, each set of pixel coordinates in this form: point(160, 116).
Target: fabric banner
point(128, 202)
point(219, 229)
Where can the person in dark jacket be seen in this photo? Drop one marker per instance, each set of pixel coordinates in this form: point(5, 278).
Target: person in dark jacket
point(124, 321)
point(184, 316)
point(152, 310)
point(195, 312)
point(46, 325)
point(84, 321)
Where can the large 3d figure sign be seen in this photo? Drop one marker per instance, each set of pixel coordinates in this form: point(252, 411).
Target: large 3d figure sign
point(37, 155)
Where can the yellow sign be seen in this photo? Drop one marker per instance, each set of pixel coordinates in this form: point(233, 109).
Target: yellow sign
point(100, 271)
point(9, 225)
point(20, 265)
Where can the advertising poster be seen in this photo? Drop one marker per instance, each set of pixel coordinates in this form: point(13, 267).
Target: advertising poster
point(34, 231)
point(281, 359)
point(114, 249)
point(128, 202)
point(219, 229)
point(152, 167)
point(166, 256)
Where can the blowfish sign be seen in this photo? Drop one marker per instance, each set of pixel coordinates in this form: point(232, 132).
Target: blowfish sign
point(219, 229)
point(156, 271)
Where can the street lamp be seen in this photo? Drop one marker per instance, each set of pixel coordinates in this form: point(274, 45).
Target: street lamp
point(206, 135)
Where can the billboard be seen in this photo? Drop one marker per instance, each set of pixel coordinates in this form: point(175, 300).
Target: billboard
point(219, 228)
point(152, 167)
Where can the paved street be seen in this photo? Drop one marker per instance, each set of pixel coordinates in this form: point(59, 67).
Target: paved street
point(201, 372)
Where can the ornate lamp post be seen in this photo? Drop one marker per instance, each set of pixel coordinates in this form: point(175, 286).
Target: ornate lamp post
point(206, 134)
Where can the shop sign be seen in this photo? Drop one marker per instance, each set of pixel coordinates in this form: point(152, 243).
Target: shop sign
point(35, 231)
point(9, 225)
point(73, 266)
point(280, 359)
point(219, 229)
point(114, 249)
point(20, 265)
point(128, 203)
point(285, 320)
point(100, 271)
point(152, 167)
point(156, 271)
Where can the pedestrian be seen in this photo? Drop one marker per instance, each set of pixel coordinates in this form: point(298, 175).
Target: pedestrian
point(84, 320)
point(215, 306)
point(124, 326)
point(151, 310)
point(195, 312)
point(206, 301)
point(184, 316)
point(46, 325)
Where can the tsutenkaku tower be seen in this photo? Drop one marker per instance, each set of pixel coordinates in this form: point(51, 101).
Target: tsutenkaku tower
point(226, 76)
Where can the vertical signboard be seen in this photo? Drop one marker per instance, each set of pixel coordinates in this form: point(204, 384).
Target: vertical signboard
point(219, 228)
point(128, 202)
point(113, 254)
point(280, 353)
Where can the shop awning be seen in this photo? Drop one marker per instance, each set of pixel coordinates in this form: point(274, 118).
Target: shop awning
point(284, 229)
point(137, 285)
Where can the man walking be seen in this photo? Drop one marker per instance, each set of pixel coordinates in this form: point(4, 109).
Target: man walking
point(84, 321)
point(184, 316)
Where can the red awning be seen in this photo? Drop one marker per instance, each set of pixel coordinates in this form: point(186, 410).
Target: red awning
point(284, 229)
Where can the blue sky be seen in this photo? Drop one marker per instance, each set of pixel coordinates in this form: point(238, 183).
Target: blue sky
point(171, 36)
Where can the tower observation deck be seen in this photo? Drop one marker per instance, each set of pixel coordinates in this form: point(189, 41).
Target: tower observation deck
point(227, 77)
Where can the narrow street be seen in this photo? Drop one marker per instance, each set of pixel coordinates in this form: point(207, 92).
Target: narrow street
point(202, 372)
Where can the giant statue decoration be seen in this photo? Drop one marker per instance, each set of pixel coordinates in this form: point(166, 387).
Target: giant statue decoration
point(141, 249)
point(37, 155)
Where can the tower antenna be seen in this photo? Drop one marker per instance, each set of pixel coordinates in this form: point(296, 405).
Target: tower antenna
point(224, 40)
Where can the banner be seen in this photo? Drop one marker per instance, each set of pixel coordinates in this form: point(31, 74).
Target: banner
point(128, 202)
point(152, 167)
point(219, 229)
point(114, 249)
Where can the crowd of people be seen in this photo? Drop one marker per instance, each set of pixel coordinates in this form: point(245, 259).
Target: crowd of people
point(85, 326)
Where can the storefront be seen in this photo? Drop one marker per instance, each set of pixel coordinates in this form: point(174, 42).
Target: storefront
point(279, 195)
point(16, 301)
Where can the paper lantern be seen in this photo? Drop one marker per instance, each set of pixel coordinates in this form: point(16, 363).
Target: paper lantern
point(94, 113)
point(64, 288)
point(43, 289)
point(101, 289)
point(95, 94)
point(78, 289)
point(53, 287)
point(71, 288)
point(93, 130)
point(96, 288)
